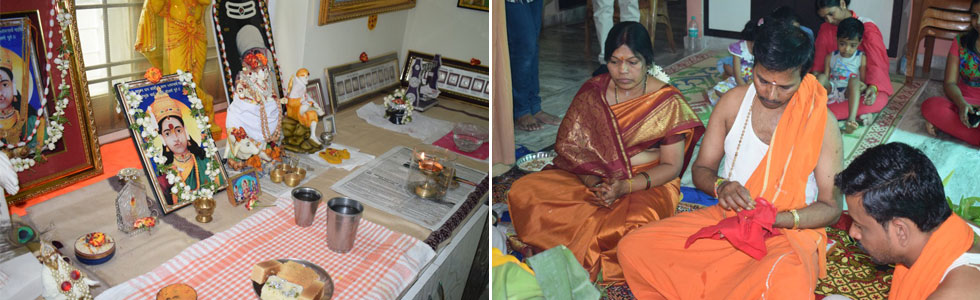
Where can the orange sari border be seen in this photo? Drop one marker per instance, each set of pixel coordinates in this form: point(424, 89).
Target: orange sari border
point(590, 140)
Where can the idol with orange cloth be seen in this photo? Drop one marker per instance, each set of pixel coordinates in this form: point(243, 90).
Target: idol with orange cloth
point(299, 105)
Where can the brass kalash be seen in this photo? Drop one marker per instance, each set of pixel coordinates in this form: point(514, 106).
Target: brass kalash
point(432, 172)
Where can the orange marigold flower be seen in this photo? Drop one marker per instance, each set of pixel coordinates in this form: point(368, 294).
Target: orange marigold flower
point(153, 74)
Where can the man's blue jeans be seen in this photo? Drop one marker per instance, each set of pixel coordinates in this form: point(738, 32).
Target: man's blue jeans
point(523, 29)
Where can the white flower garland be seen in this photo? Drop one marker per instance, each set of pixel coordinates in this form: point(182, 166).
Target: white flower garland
point(407, 106)
point(658, 73)
point(148, 133)
point(56, 128)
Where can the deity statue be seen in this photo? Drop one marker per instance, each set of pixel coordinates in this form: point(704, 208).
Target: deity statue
point(255, 115)
point(302, 113)
point(182, 44)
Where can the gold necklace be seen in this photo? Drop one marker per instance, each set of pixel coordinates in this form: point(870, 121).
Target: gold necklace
point(184, 157)
point(738, 146)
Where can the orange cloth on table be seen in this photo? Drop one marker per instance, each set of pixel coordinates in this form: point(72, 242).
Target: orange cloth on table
point(553, 207)
point(292, 111)
point(657, 265)
point(950, 240)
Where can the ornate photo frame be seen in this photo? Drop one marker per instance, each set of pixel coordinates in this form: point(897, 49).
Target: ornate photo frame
point(453, 75)
point(173, 140)
point(50, 128)
point(242, 27)
point(378, 75)
point(339, 10)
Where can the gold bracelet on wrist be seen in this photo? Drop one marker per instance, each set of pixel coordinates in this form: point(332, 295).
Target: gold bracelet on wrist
point(796, 219)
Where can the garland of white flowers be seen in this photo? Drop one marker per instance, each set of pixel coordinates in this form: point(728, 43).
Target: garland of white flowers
point(658, 73)
point(146, 125)
point(406, 107)
point(56, 121)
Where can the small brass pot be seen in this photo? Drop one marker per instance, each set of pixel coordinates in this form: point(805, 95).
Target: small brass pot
point(292, 179)
point(301, 172)
point(205, 209)
point(276, 175)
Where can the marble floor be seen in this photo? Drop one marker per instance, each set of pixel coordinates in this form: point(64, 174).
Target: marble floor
point(564, 66)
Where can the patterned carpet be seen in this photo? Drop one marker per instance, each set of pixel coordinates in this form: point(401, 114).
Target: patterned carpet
point(851, 273)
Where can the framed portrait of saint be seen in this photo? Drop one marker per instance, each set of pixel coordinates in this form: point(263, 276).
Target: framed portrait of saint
point(455, 78)
point(328, 123)
point(178, 155)
point(47, 128)
point(242, 27)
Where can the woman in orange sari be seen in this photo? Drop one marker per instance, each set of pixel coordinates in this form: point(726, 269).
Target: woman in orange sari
point(621, 149)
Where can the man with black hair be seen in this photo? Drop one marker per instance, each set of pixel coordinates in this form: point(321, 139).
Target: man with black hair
point(775, 188)
point(896, 199)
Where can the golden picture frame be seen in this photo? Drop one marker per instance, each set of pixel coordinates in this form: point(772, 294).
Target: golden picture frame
point(340, 10)
point(44, 44)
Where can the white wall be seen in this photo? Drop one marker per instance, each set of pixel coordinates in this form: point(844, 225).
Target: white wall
point(879, 11)
point(729, 15)
point(441, 27)
point(432, 27)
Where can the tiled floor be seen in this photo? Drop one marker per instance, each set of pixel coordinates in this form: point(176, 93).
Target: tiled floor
point(564, 66)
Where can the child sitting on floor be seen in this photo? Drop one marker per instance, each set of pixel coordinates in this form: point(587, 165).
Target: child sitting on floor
point(742, 61)
point(846, 70)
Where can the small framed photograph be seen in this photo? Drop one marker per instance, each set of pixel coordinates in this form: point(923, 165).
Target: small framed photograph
point(314, 90)
point(477, 85)
point(451, 82)
point(244, 187)
point(366, 79)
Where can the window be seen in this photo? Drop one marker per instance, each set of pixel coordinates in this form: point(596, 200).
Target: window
point(107, 30)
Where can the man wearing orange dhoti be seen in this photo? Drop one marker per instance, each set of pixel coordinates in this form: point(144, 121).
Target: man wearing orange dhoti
point(900, 214)
point(781, 144)
point(621, 147)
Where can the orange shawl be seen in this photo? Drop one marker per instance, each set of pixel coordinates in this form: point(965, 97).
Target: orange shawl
point(591, 141)
point(946, 244)
point(782, 174)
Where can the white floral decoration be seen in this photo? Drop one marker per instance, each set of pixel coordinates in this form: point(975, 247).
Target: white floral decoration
point(658, 73)
point(406, 106)
point(146, 125)
point(56, 121)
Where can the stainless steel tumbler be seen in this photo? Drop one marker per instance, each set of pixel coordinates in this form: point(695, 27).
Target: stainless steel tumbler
point(305, 202)
point(342, 220)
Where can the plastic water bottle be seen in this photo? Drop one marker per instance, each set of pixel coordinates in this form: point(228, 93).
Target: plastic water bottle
point(692, 42)
point(692, 28)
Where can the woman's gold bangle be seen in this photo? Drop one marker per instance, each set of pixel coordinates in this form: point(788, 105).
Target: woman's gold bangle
point(796, 218)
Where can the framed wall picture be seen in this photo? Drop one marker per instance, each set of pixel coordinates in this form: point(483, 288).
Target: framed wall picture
point(362, 79)
point(47, 128)
point(242, 27)
point(455, 78)
point(483, 5)
point(328, 122)
point(244, 187)
point(340, 10)
point(178, 155)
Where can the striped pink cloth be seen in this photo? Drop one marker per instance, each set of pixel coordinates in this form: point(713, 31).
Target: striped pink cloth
point(381, 264)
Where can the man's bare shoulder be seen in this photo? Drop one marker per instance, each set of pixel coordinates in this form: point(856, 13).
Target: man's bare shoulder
point(960, 283)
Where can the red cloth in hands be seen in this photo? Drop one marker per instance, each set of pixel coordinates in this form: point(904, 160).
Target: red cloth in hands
point(747, 230)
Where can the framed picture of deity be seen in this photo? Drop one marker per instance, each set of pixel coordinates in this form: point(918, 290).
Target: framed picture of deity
point(455, 77)
point(47, 128)
point(364, 77)
point(242, 27)
point(244, 187)
point(173, 139)
point(340, 10)
point(483, 5)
